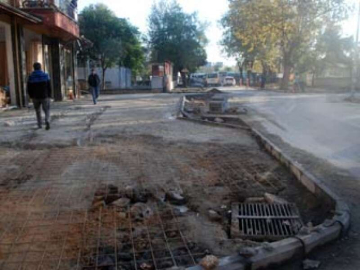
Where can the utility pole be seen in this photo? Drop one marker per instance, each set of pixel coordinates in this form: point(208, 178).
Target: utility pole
point(355, 75)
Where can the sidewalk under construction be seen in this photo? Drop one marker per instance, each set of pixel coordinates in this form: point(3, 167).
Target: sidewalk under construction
point(127, 186)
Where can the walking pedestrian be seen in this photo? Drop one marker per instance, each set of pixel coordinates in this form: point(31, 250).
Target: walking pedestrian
point(94, 83)
point(39, 89)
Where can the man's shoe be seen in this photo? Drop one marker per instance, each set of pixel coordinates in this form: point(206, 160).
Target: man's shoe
point(47, 126)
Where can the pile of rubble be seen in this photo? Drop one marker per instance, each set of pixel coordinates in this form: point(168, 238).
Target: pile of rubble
point(212, 106)
point(133, 197)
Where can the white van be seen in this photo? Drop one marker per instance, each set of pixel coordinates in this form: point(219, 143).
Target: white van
point(213, 79)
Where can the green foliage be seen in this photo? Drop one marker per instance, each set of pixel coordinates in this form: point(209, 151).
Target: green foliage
point(176, 36)
point(277, 31)
point(329, 50)
point(115, 40)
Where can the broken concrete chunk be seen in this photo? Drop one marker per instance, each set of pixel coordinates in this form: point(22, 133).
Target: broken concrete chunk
point(304, 231)
point(98, 199)
point(181, 210)
point(214, 216)
point(110, 198)
point(159, 194)
point(113, 189)
point(219, 120)
point(122, 202)
point(9, 124)
point(272, 199)
point(210, 262)
point(98, 205)
point(133, 193)
point(310, 264)
point(175, 198)
point(146, 266)
point(255, 200)
point(130, 192)
point(232, 110)
point(122, 215)
point(248, 252)
point(268, 247)
point(141, 211)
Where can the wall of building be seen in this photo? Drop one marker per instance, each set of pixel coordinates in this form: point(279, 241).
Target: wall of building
point(333, 83)
point(115, 78)
point(6, 34)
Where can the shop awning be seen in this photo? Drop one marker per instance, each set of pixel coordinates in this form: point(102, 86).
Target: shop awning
point(10, 10)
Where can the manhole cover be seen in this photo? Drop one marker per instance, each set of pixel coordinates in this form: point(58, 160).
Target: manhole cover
point(265, 221)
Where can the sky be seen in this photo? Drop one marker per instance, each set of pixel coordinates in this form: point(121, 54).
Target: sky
point(210, 11)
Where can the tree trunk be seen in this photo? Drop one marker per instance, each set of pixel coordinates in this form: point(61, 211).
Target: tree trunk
point(313, 80)
point(248, 79)
point(286, 77)
point(183, 76)
point(103, 79)
point(241, 80)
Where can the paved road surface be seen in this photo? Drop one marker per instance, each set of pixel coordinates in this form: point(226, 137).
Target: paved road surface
point(321, 124)
point(327, 129)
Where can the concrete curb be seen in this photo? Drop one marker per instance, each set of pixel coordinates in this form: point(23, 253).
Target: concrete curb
point(301, 245)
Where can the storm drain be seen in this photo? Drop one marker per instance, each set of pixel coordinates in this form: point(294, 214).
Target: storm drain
point(269, 222)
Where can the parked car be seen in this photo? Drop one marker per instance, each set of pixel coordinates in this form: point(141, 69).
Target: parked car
point(213, 79)
point(229, 81)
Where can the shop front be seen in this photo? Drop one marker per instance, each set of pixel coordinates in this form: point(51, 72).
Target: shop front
point(30, 34)
point(7, 79)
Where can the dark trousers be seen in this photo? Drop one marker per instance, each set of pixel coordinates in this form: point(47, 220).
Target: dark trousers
point(95, 91)
point(45, 104)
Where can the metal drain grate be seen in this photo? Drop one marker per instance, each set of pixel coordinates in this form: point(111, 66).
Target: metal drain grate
point(265, 221)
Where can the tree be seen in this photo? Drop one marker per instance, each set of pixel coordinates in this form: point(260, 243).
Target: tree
point(176, 36)
point(115, 40)
point(271, 29)
point(330, 49)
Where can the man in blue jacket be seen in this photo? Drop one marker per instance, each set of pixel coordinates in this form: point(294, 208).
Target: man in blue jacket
point(39, 89)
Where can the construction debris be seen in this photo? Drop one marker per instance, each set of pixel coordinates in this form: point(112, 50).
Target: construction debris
point(210, 262)
point(214, 216)
point(219, 120)
point(122, 202)
point(175, 198)
point(311, 264)
point(255, 200)
point(273, 199)
point(141, 212)
point(248, 252)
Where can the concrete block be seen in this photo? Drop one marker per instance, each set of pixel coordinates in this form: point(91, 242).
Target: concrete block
point(322, 235)
point(296, 171)
point(308, 183)
point(344, 218)
point(342, 206)
point(283, 250)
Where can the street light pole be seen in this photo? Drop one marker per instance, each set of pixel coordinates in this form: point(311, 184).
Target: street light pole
point(355, 79)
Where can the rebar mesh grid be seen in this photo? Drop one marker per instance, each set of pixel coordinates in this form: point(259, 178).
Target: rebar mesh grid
point(80, 239)
point(46, 197)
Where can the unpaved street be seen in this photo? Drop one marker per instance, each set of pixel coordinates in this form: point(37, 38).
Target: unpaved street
point(57, 188)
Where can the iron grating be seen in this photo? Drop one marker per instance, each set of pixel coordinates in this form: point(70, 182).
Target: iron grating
point(269, 222)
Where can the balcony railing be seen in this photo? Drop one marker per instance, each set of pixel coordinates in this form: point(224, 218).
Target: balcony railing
point(68, 7)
